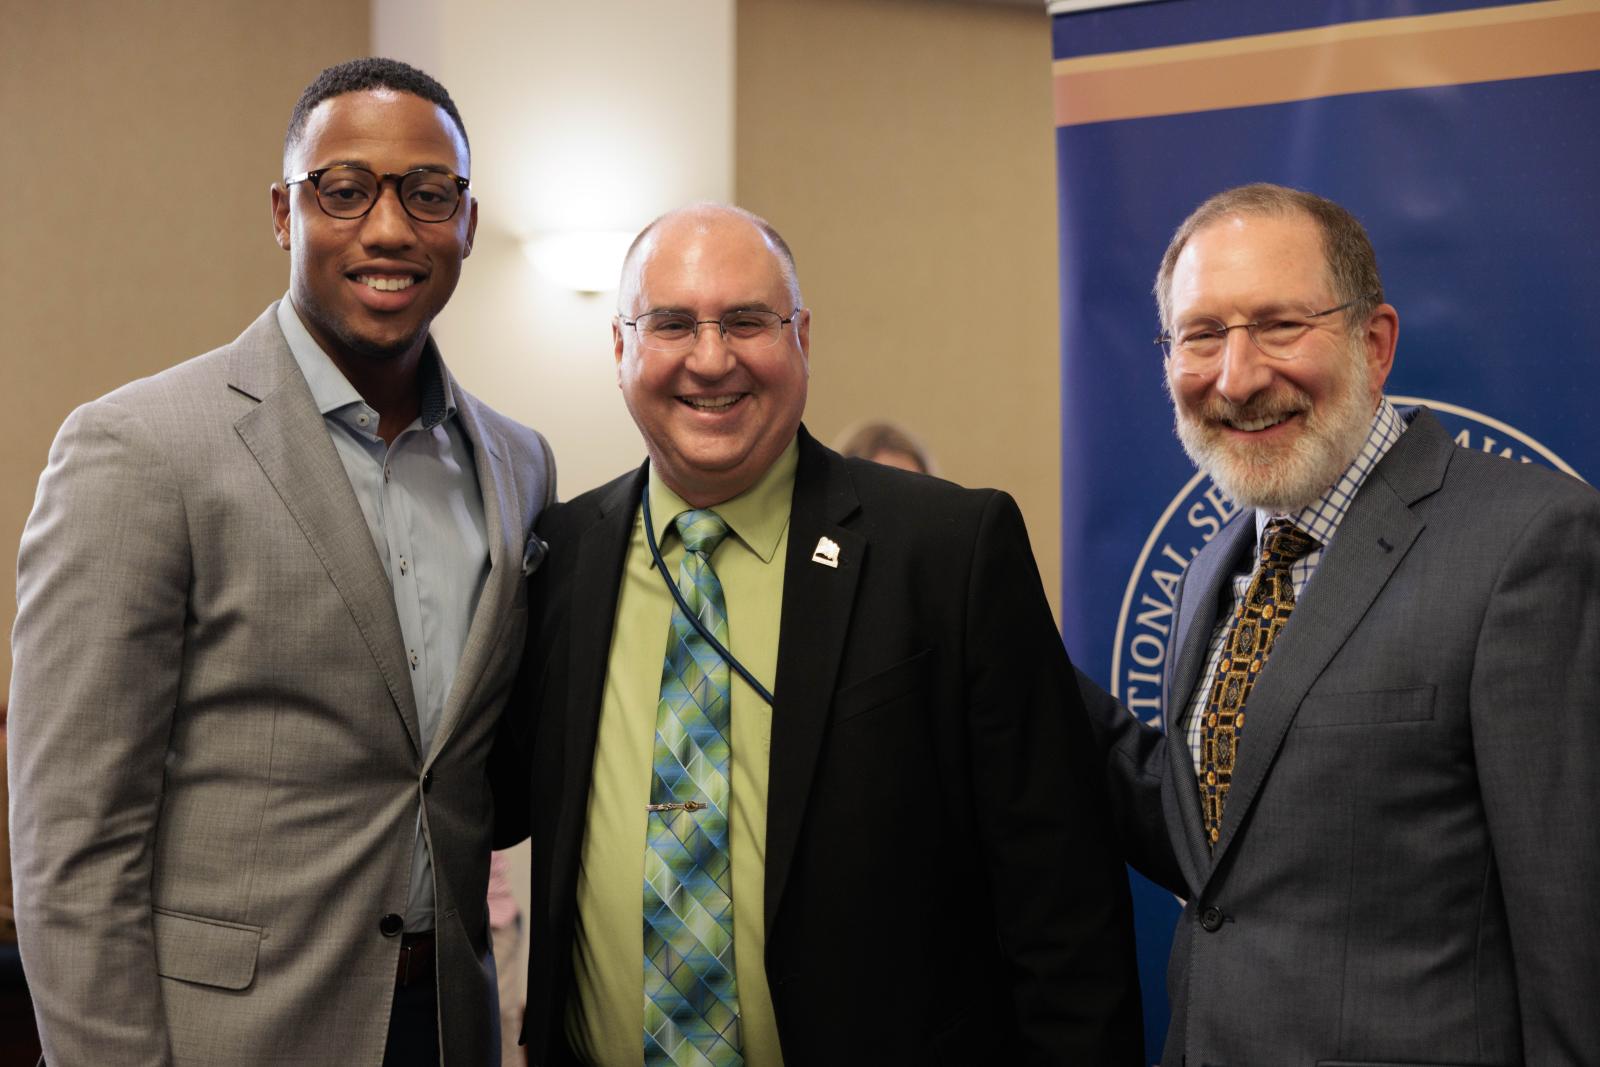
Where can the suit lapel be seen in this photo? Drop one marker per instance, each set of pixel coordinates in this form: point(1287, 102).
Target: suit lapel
point(502, 523)
point(1373, 538)
point(1204, 584)
point(595, 585)
point(815, 620)
point(289, 439)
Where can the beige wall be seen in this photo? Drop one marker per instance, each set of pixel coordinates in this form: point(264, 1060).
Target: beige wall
point(907, 152)
point(565, 103)
point(145, 136)
point(905, 148)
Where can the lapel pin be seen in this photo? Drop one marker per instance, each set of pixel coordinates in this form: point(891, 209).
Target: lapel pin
point(826, 552)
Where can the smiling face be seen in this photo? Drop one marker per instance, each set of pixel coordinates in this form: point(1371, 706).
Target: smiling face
point(1274, 434)
point(716, 416)
point(368, 288)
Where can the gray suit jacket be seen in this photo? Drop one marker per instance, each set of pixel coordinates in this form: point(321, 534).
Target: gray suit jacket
point(214, 744)
point(1409, 848)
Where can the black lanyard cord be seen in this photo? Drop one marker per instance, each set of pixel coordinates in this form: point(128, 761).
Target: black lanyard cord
point(694, 620)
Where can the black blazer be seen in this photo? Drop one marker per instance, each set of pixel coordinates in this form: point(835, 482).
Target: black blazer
point(941, 886)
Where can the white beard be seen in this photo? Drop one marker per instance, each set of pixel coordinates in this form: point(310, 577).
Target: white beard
point(1281, 478)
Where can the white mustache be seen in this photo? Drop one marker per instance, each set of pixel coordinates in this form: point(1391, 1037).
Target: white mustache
point(1281, 406)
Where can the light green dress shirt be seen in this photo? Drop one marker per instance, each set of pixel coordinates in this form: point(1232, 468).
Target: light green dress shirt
point(605, 1019)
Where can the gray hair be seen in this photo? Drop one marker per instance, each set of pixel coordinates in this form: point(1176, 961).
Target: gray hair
point(1351, 263)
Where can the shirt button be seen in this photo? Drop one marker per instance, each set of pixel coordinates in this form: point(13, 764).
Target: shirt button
point(362, 420)
point(386, 473)
point(390, 925)
point(414, 659)
point(1211, 919)
point(403, 567)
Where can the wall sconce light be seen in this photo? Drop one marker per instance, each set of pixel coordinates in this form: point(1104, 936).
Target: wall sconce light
point(588, 261)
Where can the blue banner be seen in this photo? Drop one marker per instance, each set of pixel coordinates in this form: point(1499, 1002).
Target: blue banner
point(1460, 133)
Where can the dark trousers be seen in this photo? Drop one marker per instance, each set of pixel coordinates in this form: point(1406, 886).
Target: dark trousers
point(414, 1026)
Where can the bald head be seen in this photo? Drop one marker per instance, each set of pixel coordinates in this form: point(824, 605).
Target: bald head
point(703, 218)
point(717, 405)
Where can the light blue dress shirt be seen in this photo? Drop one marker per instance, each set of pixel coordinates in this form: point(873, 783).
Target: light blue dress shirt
point(422, 503)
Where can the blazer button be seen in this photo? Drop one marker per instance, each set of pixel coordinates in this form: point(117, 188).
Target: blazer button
point(1211, 919)
point(427, 781)
point(390, 925)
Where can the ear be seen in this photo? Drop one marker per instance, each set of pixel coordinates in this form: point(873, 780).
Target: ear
point(280, 214)
point(802, 333)
point(617, 339)
point(472, 225)
point(1382, 334)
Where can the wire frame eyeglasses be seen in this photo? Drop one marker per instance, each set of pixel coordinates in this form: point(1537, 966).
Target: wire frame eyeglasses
point(1198, 344)
point(676, 331)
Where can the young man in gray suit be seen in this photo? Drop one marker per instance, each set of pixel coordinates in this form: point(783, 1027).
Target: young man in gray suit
point(269, 606)
point(1390, 863)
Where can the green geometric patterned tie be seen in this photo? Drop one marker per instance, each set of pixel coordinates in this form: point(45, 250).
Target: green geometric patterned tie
point(691, 1004)
point(1263, 612)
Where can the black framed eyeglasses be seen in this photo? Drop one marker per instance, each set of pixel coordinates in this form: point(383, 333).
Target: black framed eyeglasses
point(677, 331)
point(1196, 345)
point(346, 192)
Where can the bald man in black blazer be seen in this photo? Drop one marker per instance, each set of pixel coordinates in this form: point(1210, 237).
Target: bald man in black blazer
point(939, 883)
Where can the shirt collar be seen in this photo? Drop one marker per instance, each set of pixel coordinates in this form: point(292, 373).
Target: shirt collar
point(337, 398)
point(757, 516)
point(1321, 518)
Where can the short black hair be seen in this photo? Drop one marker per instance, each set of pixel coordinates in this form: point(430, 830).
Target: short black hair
point(360, 75)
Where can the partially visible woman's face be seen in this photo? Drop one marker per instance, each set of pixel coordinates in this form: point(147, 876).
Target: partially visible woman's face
point(893, 457)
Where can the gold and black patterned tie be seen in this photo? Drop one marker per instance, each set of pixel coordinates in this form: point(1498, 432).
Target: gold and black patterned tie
point(1262, 613)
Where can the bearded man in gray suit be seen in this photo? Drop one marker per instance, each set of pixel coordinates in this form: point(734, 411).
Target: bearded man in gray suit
point(1378, 789)
point(270, 603)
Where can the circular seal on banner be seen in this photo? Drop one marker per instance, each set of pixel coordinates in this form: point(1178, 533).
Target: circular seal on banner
point(1147, 619)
